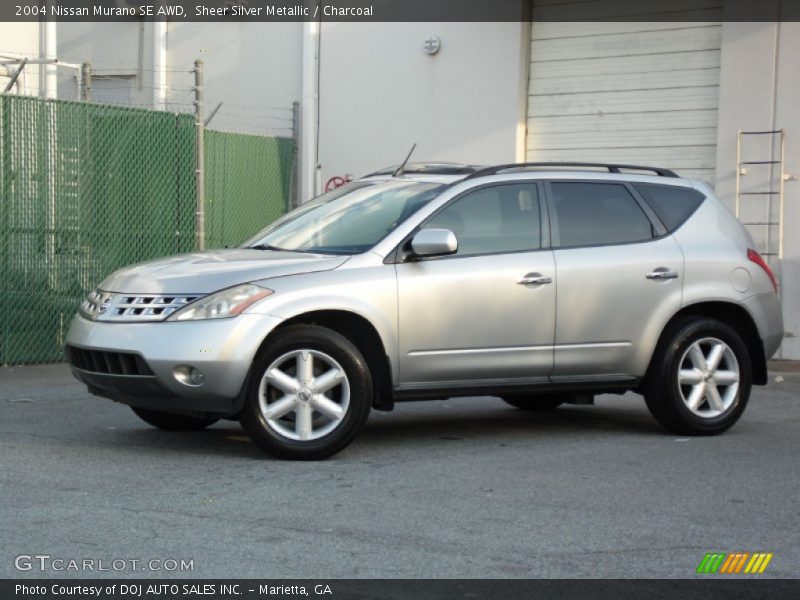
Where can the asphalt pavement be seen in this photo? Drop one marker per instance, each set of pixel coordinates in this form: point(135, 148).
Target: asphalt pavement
point(467, 488)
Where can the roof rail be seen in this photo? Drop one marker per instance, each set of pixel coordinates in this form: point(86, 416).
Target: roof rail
point(612, 168)
point(432, 168)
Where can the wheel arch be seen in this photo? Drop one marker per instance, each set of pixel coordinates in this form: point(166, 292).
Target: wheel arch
point(363, 334)
point(733, 315)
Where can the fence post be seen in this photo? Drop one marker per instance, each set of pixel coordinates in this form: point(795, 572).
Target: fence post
point(86, 82)
point(199, 173)
point(294, 193)
point(5, 237)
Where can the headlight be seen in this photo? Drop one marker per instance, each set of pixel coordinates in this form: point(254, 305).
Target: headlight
point(222, 305)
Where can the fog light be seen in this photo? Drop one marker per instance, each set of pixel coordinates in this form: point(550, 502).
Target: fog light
point(188, 375)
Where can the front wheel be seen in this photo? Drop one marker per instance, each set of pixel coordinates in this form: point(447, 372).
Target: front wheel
point(700, 379)
point(170, 421)
point(309, 394)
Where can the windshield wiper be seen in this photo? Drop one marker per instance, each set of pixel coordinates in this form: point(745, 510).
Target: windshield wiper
point(302, 250)
point(268, 247)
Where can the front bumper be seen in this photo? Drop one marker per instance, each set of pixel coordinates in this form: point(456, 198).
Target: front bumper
point(221, 349)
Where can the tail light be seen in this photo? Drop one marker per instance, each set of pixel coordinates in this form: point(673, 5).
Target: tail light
point(756, 258)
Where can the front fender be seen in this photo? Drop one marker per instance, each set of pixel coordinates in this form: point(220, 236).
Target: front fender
point(370, 293)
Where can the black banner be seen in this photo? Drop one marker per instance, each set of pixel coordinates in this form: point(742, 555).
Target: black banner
point(397, 589)
point(399, 10)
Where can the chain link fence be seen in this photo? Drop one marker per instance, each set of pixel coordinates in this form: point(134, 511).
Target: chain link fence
point(88, 188)
point(242, 192)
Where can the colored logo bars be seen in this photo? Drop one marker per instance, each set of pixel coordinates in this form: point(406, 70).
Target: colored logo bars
point(734, 562)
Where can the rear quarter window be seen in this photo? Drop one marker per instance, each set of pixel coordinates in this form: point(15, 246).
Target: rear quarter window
point(673, 205)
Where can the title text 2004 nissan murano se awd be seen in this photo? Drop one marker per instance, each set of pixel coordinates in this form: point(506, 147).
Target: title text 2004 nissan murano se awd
point(538, 284)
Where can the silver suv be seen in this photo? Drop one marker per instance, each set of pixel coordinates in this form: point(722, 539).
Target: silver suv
point(540, 284)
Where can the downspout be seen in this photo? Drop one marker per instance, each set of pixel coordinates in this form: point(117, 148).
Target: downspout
point(160, 65)
point(309, 112)
point(520, 147)
point(49, 75)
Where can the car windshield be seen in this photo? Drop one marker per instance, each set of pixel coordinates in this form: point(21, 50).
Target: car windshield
point(348, 220)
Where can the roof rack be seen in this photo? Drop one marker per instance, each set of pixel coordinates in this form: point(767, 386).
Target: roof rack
point(612, 168)
point(438, 168)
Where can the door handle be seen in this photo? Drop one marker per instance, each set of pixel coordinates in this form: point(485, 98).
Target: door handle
point(661, 274)
point(534, 279)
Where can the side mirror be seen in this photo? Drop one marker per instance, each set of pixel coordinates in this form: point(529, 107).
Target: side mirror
point(434, 242)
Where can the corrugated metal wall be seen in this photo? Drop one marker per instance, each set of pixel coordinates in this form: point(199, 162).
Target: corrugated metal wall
point(643, 92)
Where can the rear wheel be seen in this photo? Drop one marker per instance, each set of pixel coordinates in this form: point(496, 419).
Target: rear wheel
point(537, 403)
point(700, 378)
point(170, 421)
point(309, 396)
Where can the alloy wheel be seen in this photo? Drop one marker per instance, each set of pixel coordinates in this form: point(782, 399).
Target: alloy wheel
point(304, 395)
point(708, 377)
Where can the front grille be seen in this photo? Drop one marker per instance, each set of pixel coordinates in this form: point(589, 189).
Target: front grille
point(108, 362)
point(105, 306)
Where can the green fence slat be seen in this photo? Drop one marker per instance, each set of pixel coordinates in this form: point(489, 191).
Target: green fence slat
point(247, 184)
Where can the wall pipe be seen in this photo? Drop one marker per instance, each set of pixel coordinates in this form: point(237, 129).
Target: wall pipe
point(160, 65)
point(309, 112)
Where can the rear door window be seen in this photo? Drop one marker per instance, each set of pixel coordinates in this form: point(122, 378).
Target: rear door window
point(595, 214)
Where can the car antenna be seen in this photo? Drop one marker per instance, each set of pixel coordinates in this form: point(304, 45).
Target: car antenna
point(399, 170)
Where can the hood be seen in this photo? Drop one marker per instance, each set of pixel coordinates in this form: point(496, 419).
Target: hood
point(206, 272)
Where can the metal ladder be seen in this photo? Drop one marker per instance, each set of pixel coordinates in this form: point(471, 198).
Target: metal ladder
point(771, 251)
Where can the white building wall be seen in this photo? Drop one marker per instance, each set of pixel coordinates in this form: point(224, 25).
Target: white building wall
point(380, 93)
point(17, 40)
point(760, 90)
point(253, 68)
point(121, 57)
point(787, 115)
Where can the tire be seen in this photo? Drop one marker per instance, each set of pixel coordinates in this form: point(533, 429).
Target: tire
point(170, 421)
point(678, 387)
point(298, 429)
point(536, 403)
